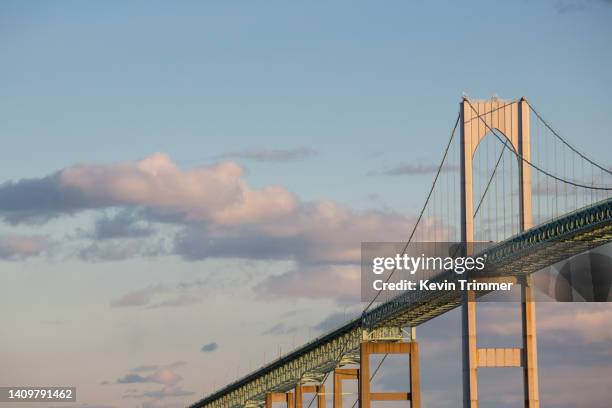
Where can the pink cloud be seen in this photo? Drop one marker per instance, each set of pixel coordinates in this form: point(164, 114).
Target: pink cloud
point(165, 376)
point(219, 216)
point(17, 247)
point(216, 193)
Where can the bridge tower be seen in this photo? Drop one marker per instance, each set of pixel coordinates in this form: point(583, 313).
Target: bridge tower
point(509, 120)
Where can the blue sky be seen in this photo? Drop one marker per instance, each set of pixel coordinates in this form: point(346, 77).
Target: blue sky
point(115, 81)
point(312, 98)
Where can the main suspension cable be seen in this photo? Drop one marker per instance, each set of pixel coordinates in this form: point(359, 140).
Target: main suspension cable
point(565, 142)
point(522, 158)
point(433, 185)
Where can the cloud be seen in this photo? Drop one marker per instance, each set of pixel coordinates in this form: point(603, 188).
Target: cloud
point(210, 212)
point(198, 242)
point(586, 323)
point(165, 392)
point(18, 247)
point(209, 347)
point(131, 379)
point(144, 297)
point(38, 200)
point(179, 294)
point(273, 155)
point(125, 224)
point(590, 386)
point(139, 297)
point(124, 235)
point(591, 323)
point(338, 282)
point(314, 233)
point(182, 299)
point(164, 376)
point(216, 193)
point(153, 367)
point(119, 250)
point(220, 215)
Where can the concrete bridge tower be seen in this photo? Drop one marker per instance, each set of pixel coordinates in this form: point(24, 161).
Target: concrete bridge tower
point(510, 120)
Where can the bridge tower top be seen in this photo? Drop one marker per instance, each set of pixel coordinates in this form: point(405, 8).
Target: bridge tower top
point(509, 121)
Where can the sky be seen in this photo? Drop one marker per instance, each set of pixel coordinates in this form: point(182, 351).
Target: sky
point(184, 186)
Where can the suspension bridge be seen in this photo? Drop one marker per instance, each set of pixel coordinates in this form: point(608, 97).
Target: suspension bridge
point(507, 177)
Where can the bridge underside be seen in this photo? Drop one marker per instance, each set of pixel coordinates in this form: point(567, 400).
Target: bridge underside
point(519, 256)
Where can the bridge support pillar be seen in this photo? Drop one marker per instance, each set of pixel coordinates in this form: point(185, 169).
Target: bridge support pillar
point(366, 396)
point(300, 390)
point(525, 357)
point(469, 350)
point(341, 374)
point(299, 397)
point(530, 345)
point(286, 397)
